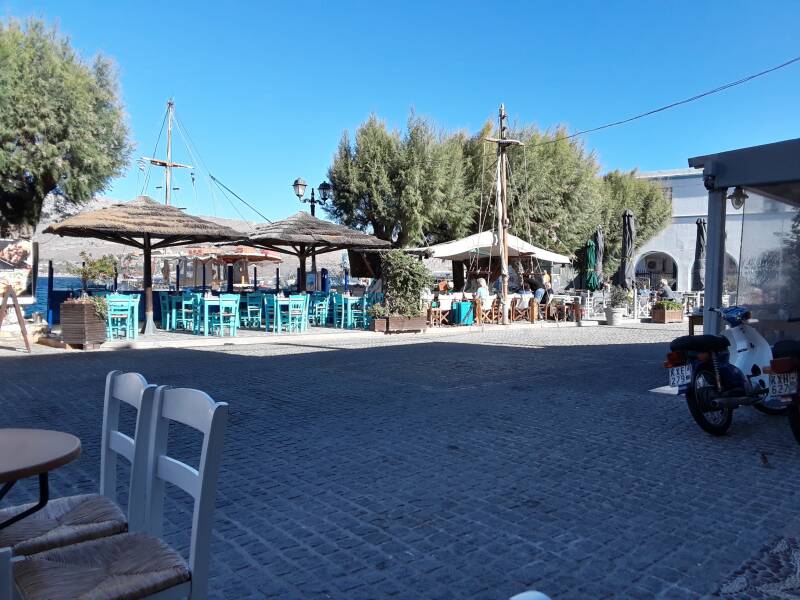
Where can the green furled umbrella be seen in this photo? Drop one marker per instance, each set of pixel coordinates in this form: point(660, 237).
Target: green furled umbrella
point(592, 280)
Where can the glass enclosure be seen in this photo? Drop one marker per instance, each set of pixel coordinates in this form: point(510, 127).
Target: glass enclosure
point(765, 242)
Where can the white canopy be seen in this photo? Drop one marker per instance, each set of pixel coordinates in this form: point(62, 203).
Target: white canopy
point(486, 244)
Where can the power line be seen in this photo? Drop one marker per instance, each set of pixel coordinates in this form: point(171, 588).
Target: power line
point(245, 202)
point(674, 104)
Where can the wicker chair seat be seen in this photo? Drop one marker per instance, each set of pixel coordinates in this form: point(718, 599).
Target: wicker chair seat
point(61, 522)
point(121, 567)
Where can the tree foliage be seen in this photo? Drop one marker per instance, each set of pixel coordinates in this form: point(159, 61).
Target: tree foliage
point(62, 125)
point(426, 186)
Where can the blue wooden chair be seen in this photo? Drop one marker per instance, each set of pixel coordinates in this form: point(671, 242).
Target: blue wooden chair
point(298, 312)
point(272, 314)
point(118, 323)
point(186, 315)
point(359, 313)
point(320, 307)
point(166, 312)
point(228, 315)
point(254, 309)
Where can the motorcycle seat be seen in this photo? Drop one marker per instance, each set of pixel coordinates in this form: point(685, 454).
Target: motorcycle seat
point(786, 348)
point(699, 343)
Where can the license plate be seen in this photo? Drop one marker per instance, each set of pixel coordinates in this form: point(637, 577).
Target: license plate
point(783, 384)
point(680, 376)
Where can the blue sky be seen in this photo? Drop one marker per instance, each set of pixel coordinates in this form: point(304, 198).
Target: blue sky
point(266, 89)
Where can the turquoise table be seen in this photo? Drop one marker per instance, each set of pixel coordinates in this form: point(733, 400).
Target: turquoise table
point(205, 304)
point(462, 313)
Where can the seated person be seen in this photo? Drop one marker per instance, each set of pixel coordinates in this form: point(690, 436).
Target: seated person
point(525, 295)
point(483, 293)
point(665, 292)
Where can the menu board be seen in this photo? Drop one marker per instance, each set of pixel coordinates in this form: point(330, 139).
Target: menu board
point(15, 266)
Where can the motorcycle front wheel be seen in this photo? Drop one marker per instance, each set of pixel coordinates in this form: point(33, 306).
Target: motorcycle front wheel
point(794, 419)
point(715, 421)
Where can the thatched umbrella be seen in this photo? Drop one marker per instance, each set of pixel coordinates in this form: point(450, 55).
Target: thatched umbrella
point(303, 233)
point(137, 223)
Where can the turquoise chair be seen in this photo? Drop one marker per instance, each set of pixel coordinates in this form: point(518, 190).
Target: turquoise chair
point(342, 317)
point(187, 314)
point(166, 312)
point(272, 314)
point(133, 322)
point(254, 309)
point(118, 323)
point(228, 315)
point(359, 313)
point(298, 312)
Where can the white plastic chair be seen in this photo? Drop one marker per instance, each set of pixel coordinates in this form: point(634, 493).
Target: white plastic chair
point(532, 595)
point(74, 519)
point(141, 565)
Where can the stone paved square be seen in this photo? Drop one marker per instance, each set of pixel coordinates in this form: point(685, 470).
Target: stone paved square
point(467, 465)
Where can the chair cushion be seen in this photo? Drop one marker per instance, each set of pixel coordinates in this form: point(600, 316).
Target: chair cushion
point(63, 521)
point(699, 343)
point(786, 348)
point(121, 567)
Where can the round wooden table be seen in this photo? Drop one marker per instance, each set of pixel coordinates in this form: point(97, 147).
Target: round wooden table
point(28, 452)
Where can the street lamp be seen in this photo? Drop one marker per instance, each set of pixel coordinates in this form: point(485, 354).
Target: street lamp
point(325, 190)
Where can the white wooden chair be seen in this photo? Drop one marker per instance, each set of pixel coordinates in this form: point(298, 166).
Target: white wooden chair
point(73, 519)
point(141, 565)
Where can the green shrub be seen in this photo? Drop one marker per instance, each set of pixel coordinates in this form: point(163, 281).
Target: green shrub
point(668, 305)
point(404, 277)
point(618, 297)
point(94, 269)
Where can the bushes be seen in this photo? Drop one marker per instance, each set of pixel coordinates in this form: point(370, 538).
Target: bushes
point(404, 279)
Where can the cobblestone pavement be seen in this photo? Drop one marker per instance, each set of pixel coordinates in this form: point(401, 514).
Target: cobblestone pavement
point(449, 466)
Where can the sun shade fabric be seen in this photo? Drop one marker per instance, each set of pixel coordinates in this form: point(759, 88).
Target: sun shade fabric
point(486, 244)
point(699, 264)
point(626, 275)
point(126, 221)
point(120, 567)
point(63, 521)
point(304, 229)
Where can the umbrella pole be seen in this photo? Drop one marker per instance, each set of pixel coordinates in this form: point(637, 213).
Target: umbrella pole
point(301, 284)
point(149, 325)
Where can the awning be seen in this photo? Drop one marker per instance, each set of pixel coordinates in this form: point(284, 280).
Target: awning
point(486, 244)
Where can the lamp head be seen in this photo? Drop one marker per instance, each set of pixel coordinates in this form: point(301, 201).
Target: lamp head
point(299, 187)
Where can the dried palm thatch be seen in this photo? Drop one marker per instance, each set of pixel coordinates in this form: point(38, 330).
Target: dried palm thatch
point(302, 232)
point(128, 222)
point(144, 219)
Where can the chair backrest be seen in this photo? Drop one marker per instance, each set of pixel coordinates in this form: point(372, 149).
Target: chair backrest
point(197, 410)
point(132, 389)
point(229, 301)
point(445, 302)
point(118, 306)
point(254, 300)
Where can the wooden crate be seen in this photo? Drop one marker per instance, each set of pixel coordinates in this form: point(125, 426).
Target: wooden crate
point(80, 326)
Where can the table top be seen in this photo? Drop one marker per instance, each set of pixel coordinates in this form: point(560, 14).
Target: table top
point(26, 452)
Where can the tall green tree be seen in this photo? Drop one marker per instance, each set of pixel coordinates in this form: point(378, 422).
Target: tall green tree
point(651, 211)
point(62, 124)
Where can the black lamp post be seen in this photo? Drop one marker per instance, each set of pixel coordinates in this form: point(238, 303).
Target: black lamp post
point(325, 190)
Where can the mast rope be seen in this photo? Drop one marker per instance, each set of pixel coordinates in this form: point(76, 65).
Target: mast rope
point(149, 164)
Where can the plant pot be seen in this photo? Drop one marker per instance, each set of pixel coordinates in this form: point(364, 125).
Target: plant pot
point(661, 315)
point(614, 315)
point(80, 325)
point(405, 324)
point(379, 324)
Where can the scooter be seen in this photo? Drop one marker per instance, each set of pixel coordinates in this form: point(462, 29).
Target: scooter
point(783, 375)
point(719, 373)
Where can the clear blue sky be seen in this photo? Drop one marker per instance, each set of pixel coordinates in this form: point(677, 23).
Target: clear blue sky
point(266, 90)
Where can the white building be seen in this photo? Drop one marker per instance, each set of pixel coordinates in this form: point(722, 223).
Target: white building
point(670, 254)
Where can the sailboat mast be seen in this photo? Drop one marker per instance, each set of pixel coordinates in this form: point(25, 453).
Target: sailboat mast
point(168, 166)
point(502, 216)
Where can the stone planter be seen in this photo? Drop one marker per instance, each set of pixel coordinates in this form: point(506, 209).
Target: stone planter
point(614, 315)
point(80, 326)
point(660, 315)
point(400, 324)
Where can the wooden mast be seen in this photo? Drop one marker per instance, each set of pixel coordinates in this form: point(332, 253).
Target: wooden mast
point(167, 164)
point(501, 207)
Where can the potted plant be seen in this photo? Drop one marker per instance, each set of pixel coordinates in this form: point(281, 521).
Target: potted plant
point(616, 305)
point(83, 320)
point(667, 311)
point(404, 279)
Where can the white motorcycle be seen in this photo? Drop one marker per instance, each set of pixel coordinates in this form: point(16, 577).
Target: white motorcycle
point(719, 373)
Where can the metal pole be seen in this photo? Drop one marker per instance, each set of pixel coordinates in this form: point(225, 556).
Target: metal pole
point(715, 256)
point(255, 279)
point(204, 275)
point(178, 276)
point(277, 279)
point(49, 315)
point(35, 268)
point(502, 217)
point(230, 279)
point(313, 249)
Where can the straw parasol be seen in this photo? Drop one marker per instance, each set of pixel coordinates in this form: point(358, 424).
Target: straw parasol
point(137, 223)
point(303, 233)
